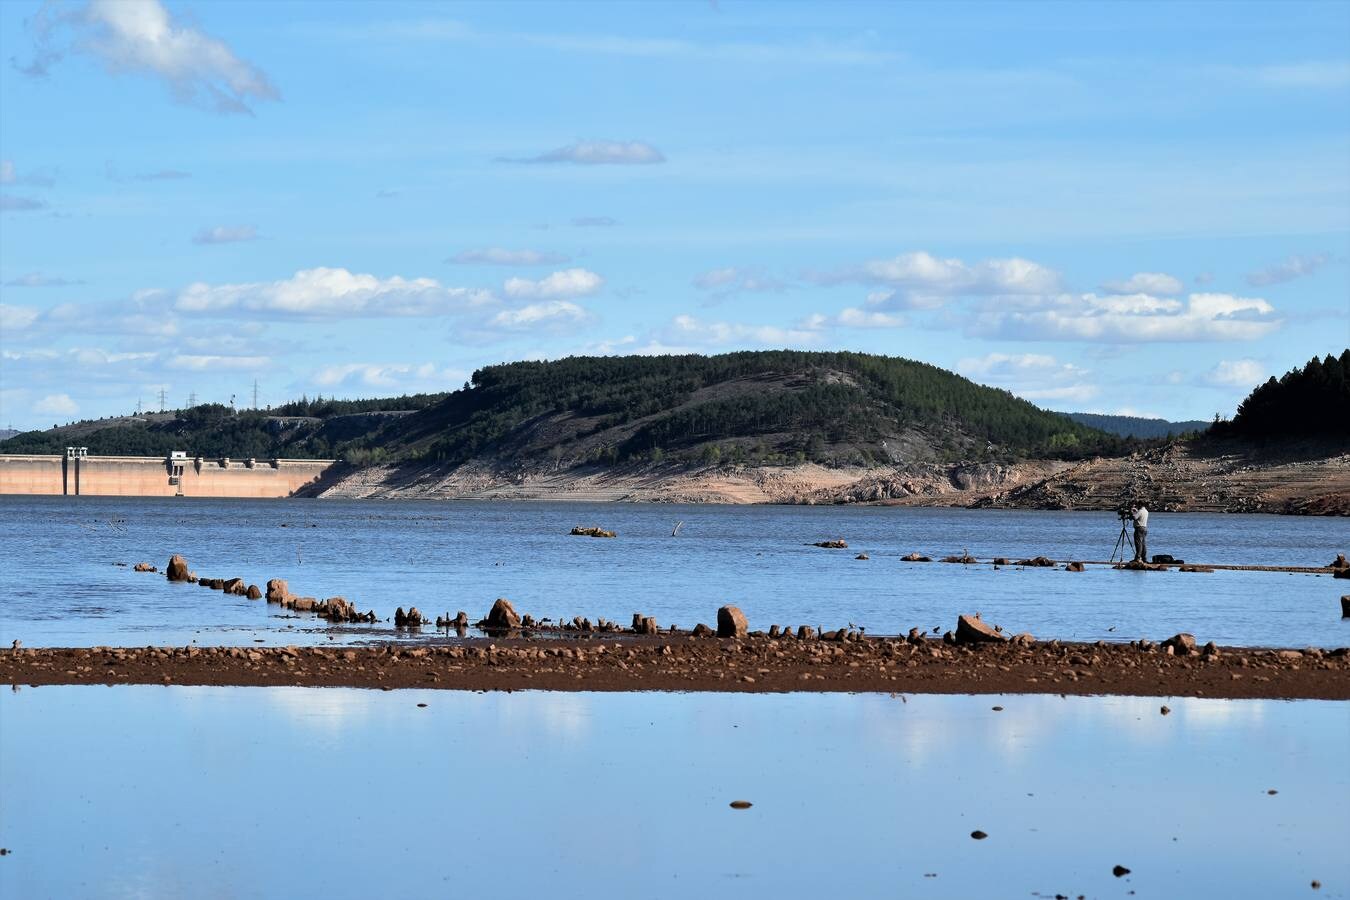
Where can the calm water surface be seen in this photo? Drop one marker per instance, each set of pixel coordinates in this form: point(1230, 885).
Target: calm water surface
point(283, 792)
point(59, 587)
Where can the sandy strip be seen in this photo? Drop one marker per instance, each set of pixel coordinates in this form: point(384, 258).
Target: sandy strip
point(683, 663)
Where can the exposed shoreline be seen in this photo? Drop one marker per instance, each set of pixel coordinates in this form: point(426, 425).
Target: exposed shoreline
point(682, 663)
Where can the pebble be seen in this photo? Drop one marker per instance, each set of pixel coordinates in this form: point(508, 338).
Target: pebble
point(1118, 871)
point(978, 835)
point(1165, 710)
point(741, 804)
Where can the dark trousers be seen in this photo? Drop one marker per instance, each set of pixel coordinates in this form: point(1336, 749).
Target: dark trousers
point(1141, 543)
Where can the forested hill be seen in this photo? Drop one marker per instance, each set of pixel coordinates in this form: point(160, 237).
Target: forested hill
point(754, 407)
point(1138, 427)
point(1313, 401)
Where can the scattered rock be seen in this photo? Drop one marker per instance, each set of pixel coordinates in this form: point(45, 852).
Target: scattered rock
point(1024, 639)
point(862, 556)
point(502, 616)
point(701, 630)
point(1138, 565)
point(277, 590)
point(1166, 559)
point(731, 622)
point(1182, 644)
point(1340, 562)
point(648, 626)
point(1341, 573)
point(973, 630)
point(832, 545)
point(592, 531)
point(916, 557)
point(1042, 562)
point(253, 592)
point(978, 835)
point(1345, 607)
point(1119, 871)
point(1166, 710)
point(1191, 567)
point(964, 559)
point(805, 633)
point(1074, 567)
point(234, 586)
point(741, 804)
point(177, 570)
point(144, 567)
point(1001, 561)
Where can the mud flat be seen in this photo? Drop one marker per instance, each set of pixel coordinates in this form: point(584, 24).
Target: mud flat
point(682, 663)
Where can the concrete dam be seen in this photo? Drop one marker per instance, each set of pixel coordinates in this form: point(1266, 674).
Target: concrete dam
point(177, 475)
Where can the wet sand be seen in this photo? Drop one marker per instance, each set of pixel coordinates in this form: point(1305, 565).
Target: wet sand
point(684, 663)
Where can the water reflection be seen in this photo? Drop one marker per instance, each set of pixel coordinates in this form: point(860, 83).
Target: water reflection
point(185, 791)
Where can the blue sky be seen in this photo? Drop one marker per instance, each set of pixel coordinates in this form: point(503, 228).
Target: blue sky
point(1128, 208)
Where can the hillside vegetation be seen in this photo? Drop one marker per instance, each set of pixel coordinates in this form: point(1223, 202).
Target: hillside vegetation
point(771, 407)
point(1310, 402)
point(1139, 427)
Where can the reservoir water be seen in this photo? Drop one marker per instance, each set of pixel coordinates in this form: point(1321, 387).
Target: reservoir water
point(59, 585)
point(285, 792)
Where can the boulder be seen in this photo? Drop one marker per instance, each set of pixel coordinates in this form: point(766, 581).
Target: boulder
point(144, 567)
point(1182, 644)
point(592, 531)
point(832, 545)
point(805, 633)
point(400, 618)
point(1138, 565)
point(916, 637)
point(731, 622)
point(862, 556)
point(1024, 639)
point(253, 592)
point(1042, 562)
point(503, 615)
point(1345, 607)
point(277, 590)
point(974, 630)
point(1340, 562)
point(916, 557)
point(461, 619)
point(235, 586)
point(303, 604)
point(964, 559)
point(1075, 567)
point(1001, 561)
point(1166, 559)
point(774, 632)
point(1341, 573)
point(648, 626)
point(337, 609)
point(701, 630)
point(177, 570)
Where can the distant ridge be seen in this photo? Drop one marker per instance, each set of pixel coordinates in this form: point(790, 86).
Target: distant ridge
point(1136, 426)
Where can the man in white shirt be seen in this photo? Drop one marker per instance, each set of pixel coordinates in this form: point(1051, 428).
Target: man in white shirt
point(1139, 513)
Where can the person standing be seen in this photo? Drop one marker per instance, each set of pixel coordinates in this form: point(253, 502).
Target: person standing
point(1139, 513)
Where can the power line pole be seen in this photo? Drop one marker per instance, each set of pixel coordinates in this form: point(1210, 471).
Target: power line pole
point(138, 406)
point(255, 393)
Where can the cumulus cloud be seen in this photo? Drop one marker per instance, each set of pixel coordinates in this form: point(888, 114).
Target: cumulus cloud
point(853, 317)
point(497, 256)
point(1128, 319)
point(56, 405)
point(37, 279)
point(328, 293)
point(1031, 376)
point(226, 234)
point(552, 313)
point(1288, 270)
point(16, 318)
point(140, 36)
point(688, 331)
point(1236, 373)
point(1145, 283)
point(389, 376)
point(566, 283)
point(597, 153)
point(921, 279)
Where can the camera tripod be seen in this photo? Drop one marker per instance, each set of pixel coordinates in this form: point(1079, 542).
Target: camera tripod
point(1123, 542)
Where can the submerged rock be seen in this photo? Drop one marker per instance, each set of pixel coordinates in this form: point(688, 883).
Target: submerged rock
point(144, 567)
point(1040, 562)
point(916, 557)
point(592, 531)
point(1075, 567)
point(832, 545)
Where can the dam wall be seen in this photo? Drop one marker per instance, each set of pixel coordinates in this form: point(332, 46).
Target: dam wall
point(150, 476)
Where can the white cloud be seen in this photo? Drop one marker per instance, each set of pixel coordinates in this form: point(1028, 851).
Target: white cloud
point(16, 318)
point(400, 376)
point(924, 280)
point(688, 331)
point(549, 313)
point(141, 36)
point(1031, 376)
point(324, 292)
point(852, 317)
point(1129, 319)
point(1238, 373)
point(203, 363)
point(497, 256)
point(226, 234)
point(56, 405)
point(1145, 283)
point(566, 283)
point(1288, 270)
point(598, 153)
point(1312, 74)
point(734, 280)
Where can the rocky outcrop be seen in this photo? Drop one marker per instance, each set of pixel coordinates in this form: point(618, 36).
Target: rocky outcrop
point(731, 622)
point(1182, 644)
point(277, 590)
point(974, 630)
point(178, 569)
point(1037, 562)
point(502, 616)
point(411, 619)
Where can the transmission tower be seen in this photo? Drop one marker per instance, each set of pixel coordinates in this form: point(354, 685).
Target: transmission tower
point(192, 399)
point(163, 398)
point(138, 406)
point(255, 393)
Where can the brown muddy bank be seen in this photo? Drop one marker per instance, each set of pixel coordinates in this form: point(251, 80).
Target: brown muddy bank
point(686, 663)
